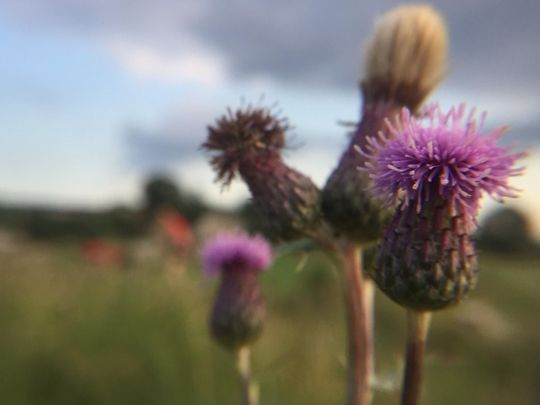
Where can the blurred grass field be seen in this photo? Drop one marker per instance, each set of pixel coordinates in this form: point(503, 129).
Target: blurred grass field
point(75, 334)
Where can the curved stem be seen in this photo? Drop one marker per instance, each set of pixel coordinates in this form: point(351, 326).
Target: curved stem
point(248, 387)
point(418, 327)
point(359, 329)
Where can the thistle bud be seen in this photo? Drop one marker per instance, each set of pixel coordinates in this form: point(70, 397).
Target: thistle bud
point(426, 260)
point(404, 61)
point(238, 313)
point(437, 174)
point(249, 142)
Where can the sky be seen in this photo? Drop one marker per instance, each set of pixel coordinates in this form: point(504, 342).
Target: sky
point(98, 95)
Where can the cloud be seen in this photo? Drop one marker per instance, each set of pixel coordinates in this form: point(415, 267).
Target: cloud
point(192, 64)
point(172, 141)
point(305, 41)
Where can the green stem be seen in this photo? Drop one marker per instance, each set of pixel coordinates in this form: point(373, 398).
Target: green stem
point(359, 329)
point(250, 394)
point(418, 327)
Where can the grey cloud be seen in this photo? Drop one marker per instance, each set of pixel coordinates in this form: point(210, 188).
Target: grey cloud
point(172, 141)
point(309, 41)
point(523, 136)
point(149, 151)
point(306, 41)
point(493, 43)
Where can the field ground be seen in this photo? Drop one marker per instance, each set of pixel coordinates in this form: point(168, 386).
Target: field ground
point(74, 334)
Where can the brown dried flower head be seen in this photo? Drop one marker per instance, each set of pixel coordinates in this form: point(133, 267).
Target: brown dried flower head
point(248, 142)
point(240, 136)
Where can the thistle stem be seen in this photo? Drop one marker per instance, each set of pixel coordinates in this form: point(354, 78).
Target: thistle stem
point(250, 394)
point(418, 327)
point(369, 296)
point(359, 329)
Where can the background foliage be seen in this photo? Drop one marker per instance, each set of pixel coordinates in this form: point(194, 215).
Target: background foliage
point(77, 334)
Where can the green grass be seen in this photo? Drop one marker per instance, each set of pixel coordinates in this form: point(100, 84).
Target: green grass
point(73, 334)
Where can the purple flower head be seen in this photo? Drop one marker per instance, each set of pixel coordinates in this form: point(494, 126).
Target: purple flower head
point(441, 156)
point(235, 249)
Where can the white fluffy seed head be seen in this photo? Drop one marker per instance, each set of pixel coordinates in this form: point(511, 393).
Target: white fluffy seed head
point(406, 56)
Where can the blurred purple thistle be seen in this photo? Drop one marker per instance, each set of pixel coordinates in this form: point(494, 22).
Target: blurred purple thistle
point(239, 310)
point(234, 251)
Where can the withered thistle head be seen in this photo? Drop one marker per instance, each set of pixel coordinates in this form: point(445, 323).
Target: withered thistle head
point(406, 56)
point(249, 142)
point(241, 136)
point(405, 59)
point(239, 310)
point(436, 171)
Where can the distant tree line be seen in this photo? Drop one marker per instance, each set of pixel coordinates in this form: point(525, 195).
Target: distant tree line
point(160, 192)
point(49, 223)
point(506, 230)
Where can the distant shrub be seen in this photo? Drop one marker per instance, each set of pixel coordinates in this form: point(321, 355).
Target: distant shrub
point(506, 230)
point(161, 192)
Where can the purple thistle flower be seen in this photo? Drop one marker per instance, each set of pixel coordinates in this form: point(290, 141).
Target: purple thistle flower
point(437, 174)
point(448, 159)
point(238, 313)
point(235, 250)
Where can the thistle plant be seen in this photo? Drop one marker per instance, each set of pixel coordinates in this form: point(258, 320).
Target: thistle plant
point(434, 170)
point(239, 310)
point(417, 193)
